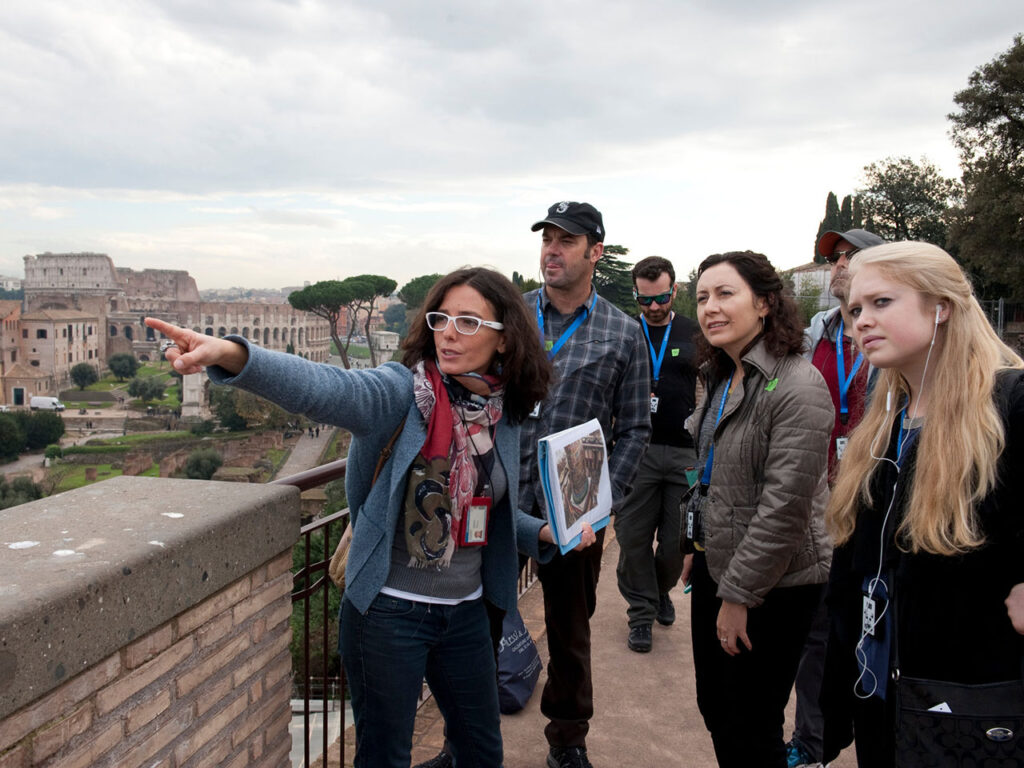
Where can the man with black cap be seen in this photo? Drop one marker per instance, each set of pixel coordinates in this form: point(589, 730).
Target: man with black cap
point(831, 349)
point(602, 372)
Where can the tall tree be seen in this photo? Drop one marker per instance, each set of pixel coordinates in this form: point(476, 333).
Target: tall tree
point(328, 299)
point(613, 280)
point(858, 213)
point(686, 297)
point(374, 287)
point(904, 200)
point(396, 319)
point(414, 293)
point(988, 131)
point(846, 214)
point(830, 223)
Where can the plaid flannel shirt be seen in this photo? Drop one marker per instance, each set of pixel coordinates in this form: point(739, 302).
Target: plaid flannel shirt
point(602, 373)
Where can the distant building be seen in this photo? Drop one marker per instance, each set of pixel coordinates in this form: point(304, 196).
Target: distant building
point(10, 342)
point(79, 307)
point(121, 298)
point(55, 340)
point(813, 280)
point(10, 283)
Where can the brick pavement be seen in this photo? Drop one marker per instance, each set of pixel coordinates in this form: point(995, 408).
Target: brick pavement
point(645, 708)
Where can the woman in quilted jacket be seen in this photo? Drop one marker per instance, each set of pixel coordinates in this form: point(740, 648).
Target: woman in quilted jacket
point(755, 521)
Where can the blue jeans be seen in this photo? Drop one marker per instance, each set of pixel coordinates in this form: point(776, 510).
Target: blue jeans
point(389, 651)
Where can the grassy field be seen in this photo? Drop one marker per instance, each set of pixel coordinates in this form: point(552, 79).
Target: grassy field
point(73, 476)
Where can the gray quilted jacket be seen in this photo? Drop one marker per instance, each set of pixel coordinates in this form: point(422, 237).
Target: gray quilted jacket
point(764, 513)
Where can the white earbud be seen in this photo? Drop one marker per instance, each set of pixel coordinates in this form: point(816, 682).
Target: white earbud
point(888, 401)
point(938, 312)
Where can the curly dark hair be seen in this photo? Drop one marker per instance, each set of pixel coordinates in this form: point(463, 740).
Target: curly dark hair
point(783, 332)
point(525, 370)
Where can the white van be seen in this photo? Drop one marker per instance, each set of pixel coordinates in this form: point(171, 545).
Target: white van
point(46, 404)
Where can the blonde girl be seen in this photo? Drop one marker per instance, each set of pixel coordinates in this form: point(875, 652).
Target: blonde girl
point(927, 505)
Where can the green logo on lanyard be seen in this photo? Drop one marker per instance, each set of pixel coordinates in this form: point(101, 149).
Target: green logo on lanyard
point(770, 386)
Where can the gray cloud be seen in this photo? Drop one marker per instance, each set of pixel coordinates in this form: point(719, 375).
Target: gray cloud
point(460, 106)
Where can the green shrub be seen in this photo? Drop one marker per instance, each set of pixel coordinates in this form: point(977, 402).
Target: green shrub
point(202, 463)
point(204, 427)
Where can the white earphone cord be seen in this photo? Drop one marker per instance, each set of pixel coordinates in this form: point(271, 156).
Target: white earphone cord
point(872, 585)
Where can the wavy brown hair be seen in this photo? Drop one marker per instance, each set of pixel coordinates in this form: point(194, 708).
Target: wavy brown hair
point(783, 332)
point(523, 369)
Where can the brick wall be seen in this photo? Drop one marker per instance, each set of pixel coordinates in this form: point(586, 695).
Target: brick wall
point(210, 687)
point(146, 622)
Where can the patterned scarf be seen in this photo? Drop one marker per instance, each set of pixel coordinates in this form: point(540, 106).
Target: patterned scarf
point(443, 475)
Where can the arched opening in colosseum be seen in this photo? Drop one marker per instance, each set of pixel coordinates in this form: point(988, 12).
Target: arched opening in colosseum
point(128, 334)
point(245, 332)
point(222, 332)
point(266, 337)
point(208, 331)
point(113, 330)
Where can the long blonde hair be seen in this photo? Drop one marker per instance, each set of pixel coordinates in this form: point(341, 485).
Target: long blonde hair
point(962, 437)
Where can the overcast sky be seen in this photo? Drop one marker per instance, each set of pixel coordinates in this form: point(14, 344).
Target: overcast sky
point(263, 143)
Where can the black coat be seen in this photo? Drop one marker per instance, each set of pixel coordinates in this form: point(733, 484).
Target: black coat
point(952, 623)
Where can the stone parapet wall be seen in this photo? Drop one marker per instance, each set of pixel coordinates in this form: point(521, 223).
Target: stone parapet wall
point(147, 626)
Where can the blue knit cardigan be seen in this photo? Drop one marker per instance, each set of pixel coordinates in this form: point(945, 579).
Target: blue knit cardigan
point(371, 404)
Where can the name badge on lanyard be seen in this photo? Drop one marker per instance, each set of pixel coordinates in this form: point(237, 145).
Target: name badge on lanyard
point(477, 522)
point(841, 443)
point(656, 357)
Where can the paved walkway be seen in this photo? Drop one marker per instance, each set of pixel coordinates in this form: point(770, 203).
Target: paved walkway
point(645, 707)
point(306, 452)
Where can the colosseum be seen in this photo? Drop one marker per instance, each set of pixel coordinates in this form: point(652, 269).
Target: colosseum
point(120, 298)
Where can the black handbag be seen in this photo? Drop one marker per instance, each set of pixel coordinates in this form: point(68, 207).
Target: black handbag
point(984, 724)
point(953, 725)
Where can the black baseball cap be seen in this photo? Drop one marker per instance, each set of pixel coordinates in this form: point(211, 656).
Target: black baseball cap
point(859, 238)
point(574, 218)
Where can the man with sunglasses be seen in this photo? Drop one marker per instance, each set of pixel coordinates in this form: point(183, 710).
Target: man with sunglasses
point(651, 511)
point(830, 347)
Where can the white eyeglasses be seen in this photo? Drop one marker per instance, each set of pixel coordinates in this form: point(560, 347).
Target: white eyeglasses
point(467, 325)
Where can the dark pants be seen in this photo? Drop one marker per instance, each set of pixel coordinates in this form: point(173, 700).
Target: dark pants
point(569, 583)
point(389, 651)
point(652, 511)
point(810, 723)
point(743, 698)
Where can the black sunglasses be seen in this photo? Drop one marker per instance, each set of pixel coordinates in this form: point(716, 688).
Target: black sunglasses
point(646, 301)
point(835, 256)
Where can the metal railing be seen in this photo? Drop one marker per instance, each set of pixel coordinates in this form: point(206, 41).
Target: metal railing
point(310, 582)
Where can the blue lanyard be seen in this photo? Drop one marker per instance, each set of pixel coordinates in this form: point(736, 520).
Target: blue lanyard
point(705, 479)
point(844, 380)
point(911, 436)
point(657, 360)
point(568, 332)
